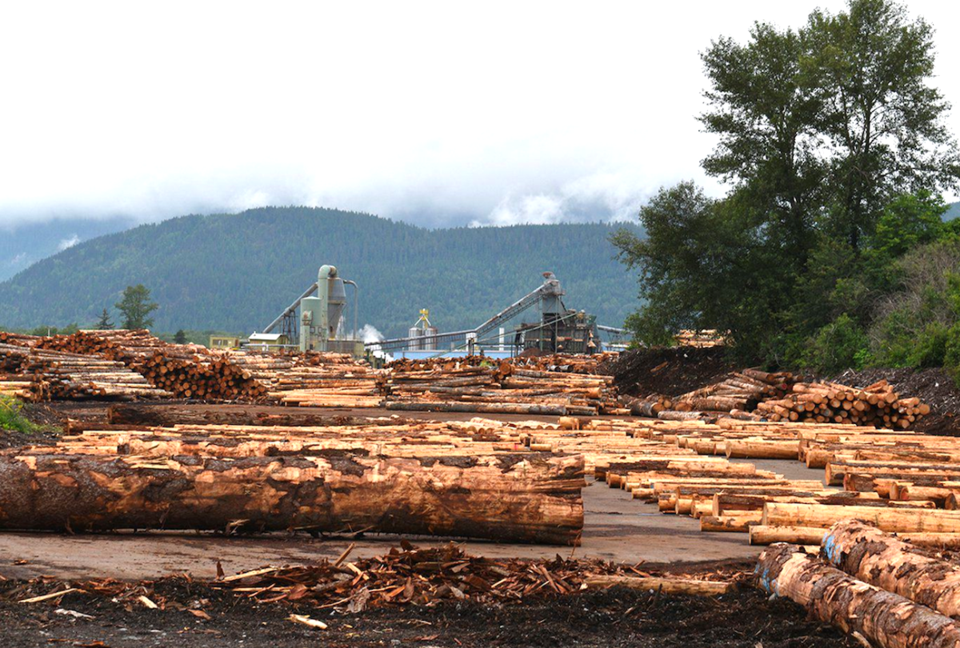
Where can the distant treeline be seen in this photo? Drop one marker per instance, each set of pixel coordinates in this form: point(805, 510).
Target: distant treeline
point(237, 272)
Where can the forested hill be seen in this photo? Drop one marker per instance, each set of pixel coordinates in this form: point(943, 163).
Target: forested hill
point(237, 272)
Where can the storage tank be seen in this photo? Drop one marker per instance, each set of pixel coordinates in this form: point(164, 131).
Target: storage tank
point(430, 344)
point(415, 332)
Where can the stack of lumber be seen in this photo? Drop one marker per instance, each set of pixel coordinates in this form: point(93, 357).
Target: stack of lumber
point(565, 362)
point(877, 405)
point(454, 386)
point(184, 370)
point(18, 339)
point(430, 480)
point(52, 375)
point(204, 377)
point(701, 339)
point(869, 584)
point(327, 380)
point(738, 391)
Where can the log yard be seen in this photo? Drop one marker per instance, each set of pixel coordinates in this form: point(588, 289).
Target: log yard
point(503, 325)
point(325, 486)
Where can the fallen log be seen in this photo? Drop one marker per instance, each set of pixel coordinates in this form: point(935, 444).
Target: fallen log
point(511, 498)
point(664, 585)
point(884, 619)
point(877, 558)
point(897, 520)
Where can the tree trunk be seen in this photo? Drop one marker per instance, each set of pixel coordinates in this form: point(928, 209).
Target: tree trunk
point(896, 520)
point(512, 498)
point(873, 556)
point(884, 619)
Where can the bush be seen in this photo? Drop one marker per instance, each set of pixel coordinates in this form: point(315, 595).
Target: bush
point(951, 360)
point(12, 418)
point(839, 345)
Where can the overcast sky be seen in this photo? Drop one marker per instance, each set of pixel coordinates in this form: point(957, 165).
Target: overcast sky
point(441, 113)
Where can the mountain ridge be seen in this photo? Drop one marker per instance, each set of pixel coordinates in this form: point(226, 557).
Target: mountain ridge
point(238, 271)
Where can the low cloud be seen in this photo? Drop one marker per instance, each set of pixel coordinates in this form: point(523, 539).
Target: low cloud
point(68, 243)
point(19, 259)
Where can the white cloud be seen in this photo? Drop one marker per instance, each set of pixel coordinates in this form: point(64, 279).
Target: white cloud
point(19, 259)
point(434, 113)
point(67, 243)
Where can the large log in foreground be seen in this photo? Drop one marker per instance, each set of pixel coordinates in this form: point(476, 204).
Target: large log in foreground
point(513, 498)
point(873, 556)
point(883, 618)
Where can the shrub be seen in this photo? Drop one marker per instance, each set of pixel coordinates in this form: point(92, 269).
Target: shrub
point(12, 417)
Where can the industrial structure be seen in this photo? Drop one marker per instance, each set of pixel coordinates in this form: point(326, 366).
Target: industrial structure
point(559, 329)
point(318, 321)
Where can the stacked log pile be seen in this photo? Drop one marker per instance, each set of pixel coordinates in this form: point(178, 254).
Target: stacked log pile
point(763, 396)
point(38, 374)
point(472, 386)
point(184, 370)
point(374, 478)
point(877, 405)
point(328, 380)
point(18, 339)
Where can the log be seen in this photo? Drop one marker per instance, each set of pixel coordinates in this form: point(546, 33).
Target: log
point(883, 560)
point(885, 619)
point(897, 520)
point(511, 498)
point(665, 585)
point(761, 534)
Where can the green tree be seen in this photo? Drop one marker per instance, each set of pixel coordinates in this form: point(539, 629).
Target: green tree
point(104, 323)
point(871, 66)
point(136, 307)
point(180, 337)
point(833, 143)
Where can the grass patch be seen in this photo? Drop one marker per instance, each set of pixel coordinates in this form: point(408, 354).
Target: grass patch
point(12, 417)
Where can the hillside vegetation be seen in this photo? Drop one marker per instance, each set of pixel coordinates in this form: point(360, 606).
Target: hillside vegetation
point(833, 247)
point(237, 272)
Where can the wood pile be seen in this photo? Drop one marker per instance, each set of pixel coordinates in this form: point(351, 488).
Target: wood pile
point(427, 576)
point(701, 339)
point(18, 339)
point(474, 386)
point(328, 380)
point(566, 362)
point(183, 370)
point(422, 479)
point(877, 405)
point(37, 374)
point(877, 613)
point(763, 396)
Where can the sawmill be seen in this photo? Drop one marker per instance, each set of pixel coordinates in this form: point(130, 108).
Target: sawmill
point(314, 322)
point(557, 329)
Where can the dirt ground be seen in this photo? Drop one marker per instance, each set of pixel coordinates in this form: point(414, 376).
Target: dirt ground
point(670, 371)
point(610, 618)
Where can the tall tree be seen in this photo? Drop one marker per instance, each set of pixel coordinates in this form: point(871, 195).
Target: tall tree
point(180, 337)
point(136, 307)
point(880, 118)
point(104, 323)
point(762, 110)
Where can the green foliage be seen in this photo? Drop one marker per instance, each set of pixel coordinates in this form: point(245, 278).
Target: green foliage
point(833, 140)
point(180, 337)
point(907, 221)
point(951, 360)
point(136, 307)
point(837, 346)
point(104, 323)
point(238, 272)
point(53, 330)
point(12, 417)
